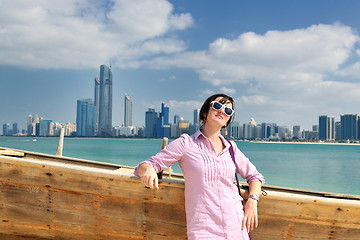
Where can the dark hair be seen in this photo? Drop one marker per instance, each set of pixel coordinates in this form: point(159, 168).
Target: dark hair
point(206, 106)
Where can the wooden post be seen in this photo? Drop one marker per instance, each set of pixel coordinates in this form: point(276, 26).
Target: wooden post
point(164, 143)
point(60, 145)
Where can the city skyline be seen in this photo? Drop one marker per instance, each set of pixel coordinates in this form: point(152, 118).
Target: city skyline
point(89, 113)
point(279, 65)
point(326, 126)
point(158, 126)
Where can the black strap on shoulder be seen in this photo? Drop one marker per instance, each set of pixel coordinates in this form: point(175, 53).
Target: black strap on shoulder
point(231, 150)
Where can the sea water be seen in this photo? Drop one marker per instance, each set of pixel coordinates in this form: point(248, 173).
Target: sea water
point(318, 167)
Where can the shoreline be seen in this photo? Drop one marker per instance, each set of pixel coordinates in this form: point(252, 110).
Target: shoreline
point(139, 138)
point(318, 143)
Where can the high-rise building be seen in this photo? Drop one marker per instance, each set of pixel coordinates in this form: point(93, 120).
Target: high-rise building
point(159, 126)
point(45, 128)
point(337, 130)
point(253, 121)
point(15, 128)
point(248, 131)
point(162, 125)
point(128, 111)
point(349, 126)
point(267, 130)
point(85, 118)
point(105, 102)
point(196, 117)
point(32, 122)
point(176, 119)
point(165, 114)
point(6, 129)
point(297, 131)
point(326, 127)
point(30, 129)
point(97, 103)
point(233, 130)
point(150, 123)
point(359, 128)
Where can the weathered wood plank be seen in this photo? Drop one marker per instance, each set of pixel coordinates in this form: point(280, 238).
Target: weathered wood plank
point(290, 216)
point(51, 200)
point(7, 152)
point(44, 199)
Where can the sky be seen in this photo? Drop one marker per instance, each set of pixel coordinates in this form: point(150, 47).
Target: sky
point(284, 62)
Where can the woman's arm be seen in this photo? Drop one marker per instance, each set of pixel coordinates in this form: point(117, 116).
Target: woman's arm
point(250, 221)
point(148, 176)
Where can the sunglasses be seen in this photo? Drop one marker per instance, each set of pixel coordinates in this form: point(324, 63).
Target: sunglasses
point(218, 106)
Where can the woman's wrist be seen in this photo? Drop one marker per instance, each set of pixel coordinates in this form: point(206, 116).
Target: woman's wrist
point(254, 197)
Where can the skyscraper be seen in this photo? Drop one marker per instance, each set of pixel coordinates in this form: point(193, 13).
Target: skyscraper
point(128, 111)
point(45, 128)
point(105, 102)
point(97, 103)
point(196, 116)
point(85, 118)
point(326, 127)
point(150, 122)
point(29, 125)
point(297, 131)
point(349, 126)
point(15, 128)
point(6, 129)
point(165, 114)
point(176, 119)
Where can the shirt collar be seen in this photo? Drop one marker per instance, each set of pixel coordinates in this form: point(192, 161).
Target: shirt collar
point(198, 133)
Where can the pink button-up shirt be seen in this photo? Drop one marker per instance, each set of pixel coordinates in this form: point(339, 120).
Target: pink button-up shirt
point(213, 205)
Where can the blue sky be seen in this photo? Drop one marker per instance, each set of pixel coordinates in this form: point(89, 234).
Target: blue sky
point(283, 61)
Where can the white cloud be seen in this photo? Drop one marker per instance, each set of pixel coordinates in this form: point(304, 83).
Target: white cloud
point(82, 33)
point(228, 90)
point(284, 74)
point(281, 55)
point(352, 71)
point(254, 100)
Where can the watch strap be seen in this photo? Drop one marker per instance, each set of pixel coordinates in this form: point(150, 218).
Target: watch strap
point(254, 196)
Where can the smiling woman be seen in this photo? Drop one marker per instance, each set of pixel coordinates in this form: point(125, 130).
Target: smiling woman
point(209, 162)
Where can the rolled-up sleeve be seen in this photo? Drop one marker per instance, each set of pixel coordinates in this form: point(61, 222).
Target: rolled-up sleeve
point(171, 154)
point(245, 168)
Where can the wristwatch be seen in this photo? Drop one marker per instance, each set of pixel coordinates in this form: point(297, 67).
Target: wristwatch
point(254, 196)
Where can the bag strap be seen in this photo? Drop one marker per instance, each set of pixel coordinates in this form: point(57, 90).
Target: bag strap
point(231, 150)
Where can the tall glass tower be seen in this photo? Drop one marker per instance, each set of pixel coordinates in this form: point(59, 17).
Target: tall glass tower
point(85, 118)
point(196, 117)
point(128, 111)
point(165, 114)
point(326, 127)
point(97, 103)
point(349, 126)
point(105, 102)
point(150, 123)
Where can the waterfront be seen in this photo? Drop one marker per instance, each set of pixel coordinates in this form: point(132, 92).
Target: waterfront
point(319, 167)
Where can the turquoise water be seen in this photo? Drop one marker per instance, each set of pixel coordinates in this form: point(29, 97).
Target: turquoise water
point(318, 167)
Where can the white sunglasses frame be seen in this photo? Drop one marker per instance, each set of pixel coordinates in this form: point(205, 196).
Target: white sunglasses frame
point(222, 108)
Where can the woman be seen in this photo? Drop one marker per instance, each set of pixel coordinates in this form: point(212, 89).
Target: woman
point(213, 205)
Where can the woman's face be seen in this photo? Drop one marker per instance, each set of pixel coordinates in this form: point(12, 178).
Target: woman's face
point(219, 117)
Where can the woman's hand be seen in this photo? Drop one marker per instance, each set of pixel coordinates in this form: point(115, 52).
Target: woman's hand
point(148, 176)
point(250, 221)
